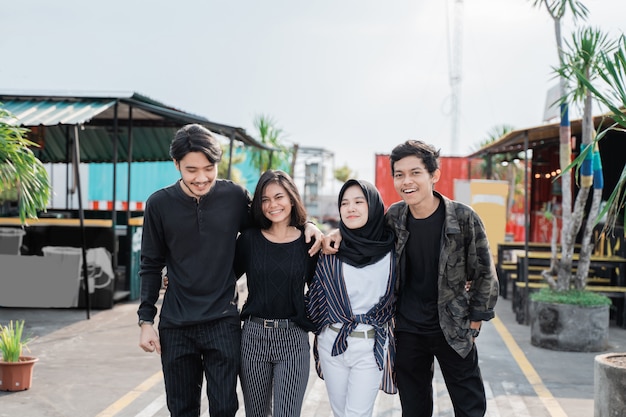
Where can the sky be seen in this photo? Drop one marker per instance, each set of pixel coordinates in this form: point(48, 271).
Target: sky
point(353, 77)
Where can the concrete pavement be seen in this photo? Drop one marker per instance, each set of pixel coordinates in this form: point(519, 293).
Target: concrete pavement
point(95, 368)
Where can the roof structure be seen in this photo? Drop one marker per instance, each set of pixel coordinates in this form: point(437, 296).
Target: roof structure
point(530, 138)
point(144, 127)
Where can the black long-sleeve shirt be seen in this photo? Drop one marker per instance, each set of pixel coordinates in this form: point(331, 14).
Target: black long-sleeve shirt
point(276, 274)
point(196, 241)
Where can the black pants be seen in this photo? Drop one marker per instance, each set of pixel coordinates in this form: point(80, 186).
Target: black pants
point(186, 352)
point(414, 374)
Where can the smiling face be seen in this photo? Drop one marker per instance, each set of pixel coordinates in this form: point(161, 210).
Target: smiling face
point(276, 204)
point(353, 208)
point(414, 183)
point(197, 173)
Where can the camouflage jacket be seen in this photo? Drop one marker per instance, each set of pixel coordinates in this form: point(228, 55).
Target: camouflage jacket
point(465, 256)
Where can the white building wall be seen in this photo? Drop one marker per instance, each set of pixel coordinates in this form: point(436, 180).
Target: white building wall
point(59, 181)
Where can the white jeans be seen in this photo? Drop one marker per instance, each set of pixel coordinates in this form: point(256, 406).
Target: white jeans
point(352, 378)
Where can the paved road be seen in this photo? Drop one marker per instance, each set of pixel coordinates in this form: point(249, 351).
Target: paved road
point(94, 368)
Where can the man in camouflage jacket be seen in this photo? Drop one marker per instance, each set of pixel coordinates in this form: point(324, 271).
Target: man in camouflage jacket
point(462, 224)
point(447, 286)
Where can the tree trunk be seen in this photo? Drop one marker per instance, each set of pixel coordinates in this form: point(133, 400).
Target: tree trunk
point(565, 158)
point(587, 246)
point(591, 174)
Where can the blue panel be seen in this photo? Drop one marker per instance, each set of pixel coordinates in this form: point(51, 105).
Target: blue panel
point(146, 178)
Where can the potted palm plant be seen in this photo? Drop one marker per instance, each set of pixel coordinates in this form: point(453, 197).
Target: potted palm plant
point(16, 370)
point(610, 368)
point(566, 300)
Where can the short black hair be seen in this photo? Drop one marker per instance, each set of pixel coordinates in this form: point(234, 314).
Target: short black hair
point(195, 138)
point(427, 153)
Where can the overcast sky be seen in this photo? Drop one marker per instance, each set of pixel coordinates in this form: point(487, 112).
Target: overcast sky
point(355, 77)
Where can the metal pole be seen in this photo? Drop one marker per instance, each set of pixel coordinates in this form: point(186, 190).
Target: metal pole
point(81, 216)
point(128, 194)
point(114, 211)
point(526, 228)
point(68, 155)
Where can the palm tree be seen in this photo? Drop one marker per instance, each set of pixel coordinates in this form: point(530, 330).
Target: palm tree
point(583, 56)
point(557, 9)
point(492, 166)
point(21, 173)
point(222, 169)
point(612, 94)
point(270, 136)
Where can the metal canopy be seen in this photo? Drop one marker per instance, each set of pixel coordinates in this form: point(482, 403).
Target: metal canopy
point(536, 136)
point(153, 125)
point(48, 112)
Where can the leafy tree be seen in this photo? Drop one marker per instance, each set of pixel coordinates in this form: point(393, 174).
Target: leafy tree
point(222, 168)
point(21, 173)
point(343, 173)
point(492, 166)
point(270, 136)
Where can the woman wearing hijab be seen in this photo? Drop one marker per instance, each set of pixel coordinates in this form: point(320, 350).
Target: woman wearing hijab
point(351, 302)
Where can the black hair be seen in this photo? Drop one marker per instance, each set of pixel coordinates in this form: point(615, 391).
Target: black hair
point(195, 138)
point(298, 212)
point(427, 153)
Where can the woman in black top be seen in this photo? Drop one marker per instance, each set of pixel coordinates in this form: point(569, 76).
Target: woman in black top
point(275, 359)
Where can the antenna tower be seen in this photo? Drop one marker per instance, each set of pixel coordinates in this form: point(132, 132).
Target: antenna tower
point(456, 49)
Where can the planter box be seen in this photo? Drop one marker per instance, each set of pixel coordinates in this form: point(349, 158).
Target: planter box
point(569, 327)
point(609, 385)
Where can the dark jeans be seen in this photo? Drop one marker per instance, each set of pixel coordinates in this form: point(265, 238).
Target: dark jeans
point(414, 374)
point(186, 352)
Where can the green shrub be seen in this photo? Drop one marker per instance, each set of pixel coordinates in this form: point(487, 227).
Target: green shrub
point(574, 297)
point(12, 341)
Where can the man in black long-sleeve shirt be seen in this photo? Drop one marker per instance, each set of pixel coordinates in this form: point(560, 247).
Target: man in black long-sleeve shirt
point(191, 228)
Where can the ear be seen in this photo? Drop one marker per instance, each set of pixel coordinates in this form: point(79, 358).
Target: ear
point(436, 175)
point(177, 164)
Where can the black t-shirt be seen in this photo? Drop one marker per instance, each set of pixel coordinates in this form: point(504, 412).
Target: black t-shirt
point(417, 301)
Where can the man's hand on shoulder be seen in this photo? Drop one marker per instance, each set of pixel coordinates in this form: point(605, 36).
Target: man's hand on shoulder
point(331, 242)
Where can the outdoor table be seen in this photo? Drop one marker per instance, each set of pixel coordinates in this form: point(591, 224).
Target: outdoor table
point(542, 258)
point(504, 267)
